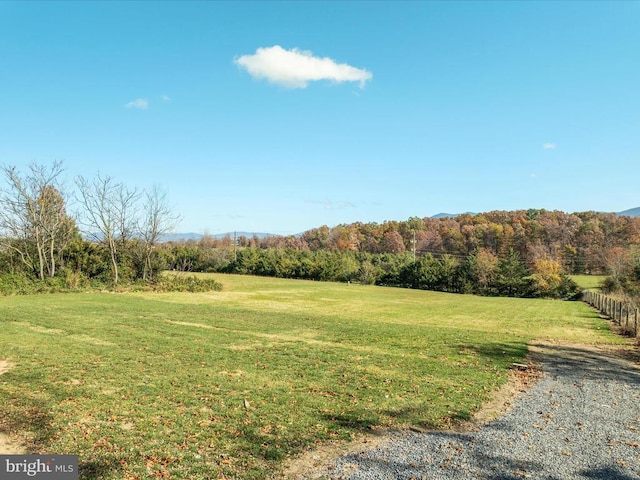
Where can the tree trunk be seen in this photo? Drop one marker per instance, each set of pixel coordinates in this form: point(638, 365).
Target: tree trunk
point(114, 260)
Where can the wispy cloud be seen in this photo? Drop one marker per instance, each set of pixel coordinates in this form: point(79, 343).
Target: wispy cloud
point(332, 205)
point(549, 146)
point(296, 68)
point(165, 98)
point(141, 103)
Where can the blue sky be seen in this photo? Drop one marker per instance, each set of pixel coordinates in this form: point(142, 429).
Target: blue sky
point(284, 116)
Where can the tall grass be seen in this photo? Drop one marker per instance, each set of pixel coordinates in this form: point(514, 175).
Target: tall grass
point(228, 384)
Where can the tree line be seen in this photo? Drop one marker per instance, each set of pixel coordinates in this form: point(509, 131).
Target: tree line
point(581, 243)
point(111, 238)
point(518, 253)
point(548, 246)
point(115, 233)
point(481, 273)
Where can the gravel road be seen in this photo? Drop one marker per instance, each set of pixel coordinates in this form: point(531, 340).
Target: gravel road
point(581, 420)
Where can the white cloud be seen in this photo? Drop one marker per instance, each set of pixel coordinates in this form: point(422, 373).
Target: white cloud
point(296, 68)
point(141, 103)
point(549, 146)
point(165, 98)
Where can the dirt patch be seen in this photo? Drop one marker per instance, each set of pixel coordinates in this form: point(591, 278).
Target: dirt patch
point(7, 446)
point(305, 465)
point(5, 366)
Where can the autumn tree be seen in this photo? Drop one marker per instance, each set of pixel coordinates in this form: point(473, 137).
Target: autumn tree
point(317, 238)
point(619, 261)
point(33, 217)
point(483, 267)
point(392, 242)
point(546, 276)
point(58, 228)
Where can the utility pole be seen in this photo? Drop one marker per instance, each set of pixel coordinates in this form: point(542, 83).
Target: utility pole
point(235, 242)
point(413, 245)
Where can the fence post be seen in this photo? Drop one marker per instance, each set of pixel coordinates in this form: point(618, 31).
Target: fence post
point(626, 319)
point(620, 313)
point(600, 304)
point(611, 309)
point(614, 309)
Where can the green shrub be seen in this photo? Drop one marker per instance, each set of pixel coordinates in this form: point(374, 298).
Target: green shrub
point(69, 280)
point(180, 283)
point(611, 285)
point(16, 284)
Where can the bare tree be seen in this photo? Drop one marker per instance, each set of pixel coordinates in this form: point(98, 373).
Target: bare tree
point(33, 217)
point(155, 220)
point(109, 209)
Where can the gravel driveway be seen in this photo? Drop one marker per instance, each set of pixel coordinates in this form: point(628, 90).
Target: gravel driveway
point(581, 420)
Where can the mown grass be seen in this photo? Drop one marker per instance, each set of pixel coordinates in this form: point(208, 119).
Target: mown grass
point(228, 384)
point(590, 282)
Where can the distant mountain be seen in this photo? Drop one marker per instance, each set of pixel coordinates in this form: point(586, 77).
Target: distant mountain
point(632, 212)
point(184, 237)
point(246, 234)
point(179, 237)
point(451, 215)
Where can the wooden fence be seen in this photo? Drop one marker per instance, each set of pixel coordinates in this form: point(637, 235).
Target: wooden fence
point(620, 312)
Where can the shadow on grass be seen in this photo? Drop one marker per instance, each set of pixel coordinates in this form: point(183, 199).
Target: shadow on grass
point(30, 414)
point(501, 353)
point(100, 469)
point(353, 420)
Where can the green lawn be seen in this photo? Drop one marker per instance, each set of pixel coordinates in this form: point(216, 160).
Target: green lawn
point(592, 282)
point(227, 384)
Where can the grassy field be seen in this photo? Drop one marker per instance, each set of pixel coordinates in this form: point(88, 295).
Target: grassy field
point(591, 282)
point(228, 384)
